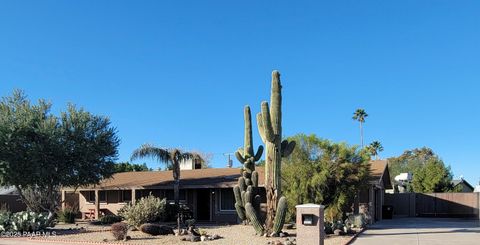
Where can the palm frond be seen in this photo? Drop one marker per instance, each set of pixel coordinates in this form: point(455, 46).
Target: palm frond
point(148, 150)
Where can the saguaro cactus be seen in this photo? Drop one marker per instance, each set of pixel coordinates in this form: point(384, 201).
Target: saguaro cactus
point(246, 190)
point(269, 122)
point(247, 200)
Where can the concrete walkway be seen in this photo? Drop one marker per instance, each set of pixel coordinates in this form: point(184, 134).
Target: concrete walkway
point(416, 231)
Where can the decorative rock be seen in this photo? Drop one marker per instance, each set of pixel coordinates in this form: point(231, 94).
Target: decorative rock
point(194, 238)
point(203, 238)
point(338, 232)
point(216, 236)
point(281, 234)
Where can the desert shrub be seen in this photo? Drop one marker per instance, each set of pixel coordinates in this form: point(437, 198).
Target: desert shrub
point(328, 227)
point(28, 221)
point(147, 209)
point(4, 220)
point(356, 220)
point(110, 219)
point(67, 215)
point(156, 229)
point(119, 231)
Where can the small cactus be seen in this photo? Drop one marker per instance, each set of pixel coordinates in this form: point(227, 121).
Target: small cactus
point(252, 215)
point(240, 211)
point(280, 216)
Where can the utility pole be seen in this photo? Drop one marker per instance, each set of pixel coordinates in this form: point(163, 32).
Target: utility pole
point(229, 161)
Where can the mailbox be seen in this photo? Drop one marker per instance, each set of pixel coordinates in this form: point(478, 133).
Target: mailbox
point(310, 224)
point(307, 219)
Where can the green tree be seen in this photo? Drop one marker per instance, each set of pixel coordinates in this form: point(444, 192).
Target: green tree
point(360, 116)
point(320, 171)
point(375, 148)
point(410, 161)
point(434, 176)
point(130, 167)
point(430, 174)
point(40, 152)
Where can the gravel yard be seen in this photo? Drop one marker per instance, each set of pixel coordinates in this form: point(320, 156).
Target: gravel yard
point(233, 234)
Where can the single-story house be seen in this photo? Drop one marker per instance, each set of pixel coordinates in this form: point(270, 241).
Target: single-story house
point(207, 192)
point(463, 185)
point(373, 197)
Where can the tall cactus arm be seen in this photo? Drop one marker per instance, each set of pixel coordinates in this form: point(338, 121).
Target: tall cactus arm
point(276, 104)
point(287, 148)
point(267, 123)
point(259, 153)
point(261, 131)
point(248, 133)
point(239, 155)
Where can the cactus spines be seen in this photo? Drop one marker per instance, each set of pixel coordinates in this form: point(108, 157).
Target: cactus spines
point(280, 216)
point(255, 179)
point(269, 122)
point(240, 211)
point(241, 184)
point(252, 216)
point(238, 194)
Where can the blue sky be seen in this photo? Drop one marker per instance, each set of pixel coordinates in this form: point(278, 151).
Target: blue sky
point(178, 73)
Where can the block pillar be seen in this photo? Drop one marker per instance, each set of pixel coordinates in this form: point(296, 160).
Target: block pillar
point(310, 224)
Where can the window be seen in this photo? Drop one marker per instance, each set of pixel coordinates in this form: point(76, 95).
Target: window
point(125, 196)
point(102, 196)
point(227, 200)
point(170, 195)
point(89, 196)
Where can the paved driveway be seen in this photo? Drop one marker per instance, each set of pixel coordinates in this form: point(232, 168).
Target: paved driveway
point(413, 231)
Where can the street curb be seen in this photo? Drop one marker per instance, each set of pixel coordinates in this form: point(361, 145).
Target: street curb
point(354, 237)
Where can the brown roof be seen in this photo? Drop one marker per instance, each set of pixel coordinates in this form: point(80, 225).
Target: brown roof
point(206, 178)
point(189, 179)
point(379, 172)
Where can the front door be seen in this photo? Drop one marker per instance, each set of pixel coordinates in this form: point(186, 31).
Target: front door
point(203, 204)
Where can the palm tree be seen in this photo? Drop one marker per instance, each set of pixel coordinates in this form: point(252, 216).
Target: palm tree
point(360, 116)
point(172, 158)
point(374, 148)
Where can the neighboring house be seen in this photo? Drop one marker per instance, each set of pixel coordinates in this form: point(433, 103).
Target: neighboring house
point(463, 185)
point(10, 199)
point(373, 197)
point(207, 192)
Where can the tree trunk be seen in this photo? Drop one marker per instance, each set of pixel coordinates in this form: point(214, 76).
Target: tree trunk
point(361, 134)
point(273, 182)
point(176, 190)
